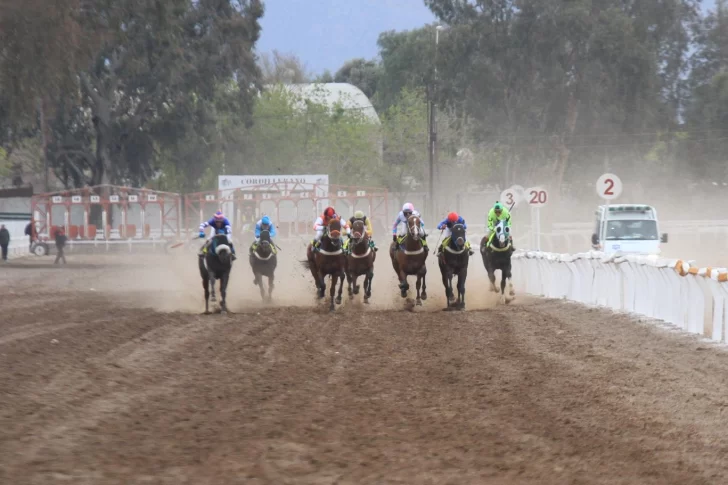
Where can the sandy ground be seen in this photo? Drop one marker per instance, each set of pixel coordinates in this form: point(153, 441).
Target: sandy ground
point(110, 375)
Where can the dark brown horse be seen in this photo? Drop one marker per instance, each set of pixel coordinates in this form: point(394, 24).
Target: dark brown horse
point(360, 261)
point(497, 255)
point(328, 260)
point(263, 261)
point(410, 258)
point(453, 261)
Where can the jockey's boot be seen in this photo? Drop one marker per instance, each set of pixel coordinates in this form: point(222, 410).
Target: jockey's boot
point(469, 248)
point(315, 246)
point(373, 246)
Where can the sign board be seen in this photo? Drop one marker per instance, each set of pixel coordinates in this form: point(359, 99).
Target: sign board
point(537, 196)
point(509, 197)
point(133, 198)
point(609, 186)
point(76, 199)
point(361, 193)
point(95, 199)
point(57, 199)
point(114, 199)
point(151, 197)
point(291, 182)
point(341, 193)
point(209, 198)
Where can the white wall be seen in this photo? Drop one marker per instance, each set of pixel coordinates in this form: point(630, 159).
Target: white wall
point(19, 242)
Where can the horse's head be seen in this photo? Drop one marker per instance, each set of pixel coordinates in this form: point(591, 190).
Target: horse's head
point(221, 247)
point(457, 237)
point(358, 230)
point(502, 234)
point(334, 231)
point(264, 243)
point(414, 227)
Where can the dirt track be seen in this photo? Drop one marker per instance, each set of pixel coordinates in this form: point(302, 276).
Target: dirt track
point(96, 389)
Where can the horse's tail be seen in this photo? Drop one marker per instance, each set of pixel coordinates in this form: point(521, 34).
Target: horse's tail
point(306, 263)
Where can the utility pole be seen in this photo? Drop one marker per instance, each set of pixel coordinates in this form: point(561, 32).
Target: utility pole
point(432, 122)
point(44, 144)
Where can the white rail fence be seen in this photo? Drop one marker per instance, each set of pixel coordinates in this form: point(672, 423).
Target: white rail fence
point(694, 299)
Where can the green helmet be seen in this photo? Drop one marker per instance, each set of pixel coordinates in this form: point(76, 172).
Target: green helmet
point(498, 206)
point(359, 215)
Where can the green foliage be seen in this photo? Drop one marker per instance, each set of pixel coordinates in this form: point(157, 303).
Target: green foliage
point(293, 133)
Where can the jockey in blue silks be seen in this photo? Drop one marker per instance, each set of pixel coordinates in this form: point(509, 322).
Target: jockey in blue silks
point(219, 223)
point(264, 224)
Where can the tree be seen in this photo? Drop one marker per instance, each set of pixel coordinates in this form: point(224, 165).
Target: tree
point(283, 68)
point(158, 66)
point(362, 74)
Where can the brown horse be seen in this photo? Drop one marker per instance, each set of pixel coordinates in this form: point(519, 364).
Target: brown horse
point(328, 260)
point(360, 261)
point(410, 259)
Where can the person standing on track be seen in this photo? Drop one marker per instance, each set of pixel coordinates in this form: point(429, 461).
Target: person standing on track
point(4, 241)
point(60, 245)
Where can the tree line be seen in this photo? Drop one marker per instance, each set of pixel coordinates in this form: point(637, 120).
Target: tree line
point(172, 92)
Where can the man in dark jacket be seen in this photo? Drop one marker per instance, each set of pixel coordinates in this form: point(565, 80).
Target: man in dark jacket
point(60, 244)
point(29, 233)
point(4, 241)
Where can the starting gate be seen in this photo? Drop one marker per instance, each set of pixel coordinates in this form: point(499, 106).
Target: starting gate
point(293, 206)
point(107, 213)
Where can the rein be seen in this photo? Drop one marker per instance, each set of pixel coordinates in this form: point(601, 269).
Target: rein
point(500, 250)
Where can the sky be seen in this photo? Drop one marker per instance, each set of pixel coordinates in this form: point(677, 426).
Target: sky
point(326, 33)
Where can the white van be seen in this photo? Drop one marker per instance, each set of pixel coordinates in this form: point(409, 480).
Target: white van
point(628, 229)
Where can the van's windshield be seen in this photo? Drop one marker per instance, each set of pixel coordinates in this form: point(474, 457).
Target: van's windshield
point(632, 230)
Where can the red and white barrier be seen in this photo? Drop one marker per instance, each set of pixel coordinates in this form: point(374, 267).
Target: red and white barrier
point(694, 299)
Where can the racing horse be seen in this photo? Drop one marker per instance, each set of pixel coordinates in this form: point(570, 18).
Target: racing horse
point(453, 261)
point(497, 255)
point(360, 261)
point(409, 259)
point(263, 262)
point(328, 260)
point(215, 264)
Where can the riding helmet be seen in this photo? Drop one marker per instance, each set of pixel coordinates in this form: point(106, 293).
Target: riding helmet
point(498, 206)
point(359, 215)
point(265, 220)
point(329, 212)
point(219, 215)
point(453, 217)
point(408, 207)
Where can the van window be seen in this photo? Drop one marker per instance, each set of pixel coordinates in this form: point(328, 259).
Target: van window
point(632, 230)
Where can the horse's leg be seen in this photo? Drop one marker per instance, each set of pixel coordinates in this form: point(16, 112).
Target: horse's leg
point(342, 277)
point(349, 279)
point(511, 291)
point(443, 272)
point(223, 291)
point(332, 291)
point(271, 284)
point(403, 285)
point(212, 286)
point(491, 277)
point(419, 286)
point(461, 287)
point(504, 277)
point(321, 283)
point(424, 281)
point(368, 284)
point(206, 286)
point(259, 283)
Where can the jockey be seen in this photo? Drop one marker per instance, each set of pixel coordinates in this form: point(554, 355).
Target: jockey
point(407, 210)
point(219, 223)
point(360, 216)
point(322, 222)
point(496, 214)
point(264, 224)
point(447, 224)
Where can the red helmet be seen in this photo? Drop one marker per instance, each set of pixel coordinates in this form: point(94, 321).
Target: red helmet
point(453, 217)
point(329, 212)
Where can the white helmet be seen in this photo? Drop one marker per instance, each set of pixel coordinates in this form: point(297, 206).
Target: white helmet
point(408, 207)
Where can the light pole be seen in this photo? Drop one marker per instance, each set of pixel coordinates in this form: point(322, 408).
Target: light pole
point(433, 130)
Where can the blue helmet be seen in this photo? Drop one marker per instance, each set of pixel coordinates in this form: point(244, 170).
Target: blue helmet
point(265, 220)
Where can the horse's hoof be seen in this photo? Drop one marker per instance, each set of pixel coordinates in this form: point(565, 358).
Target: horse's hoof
point(223, 312)
point(213, 299)
point(207, 312)
point(366, 300)
point(424, 295)
point(338, 300)
point(367, 295)
point(331, 309)
point(419, 302)
point(356, 290)
point(512, 293)
point(403, 293)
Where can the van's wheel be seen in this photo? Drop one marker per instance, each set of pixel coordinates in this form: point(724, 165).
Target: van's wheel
point(40, 249)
